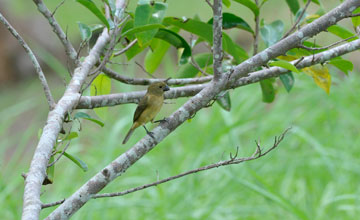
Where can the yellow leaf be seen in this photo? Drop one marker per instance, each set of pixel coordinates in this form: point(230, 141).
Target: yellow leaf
point(287, 57)
point(321, 76)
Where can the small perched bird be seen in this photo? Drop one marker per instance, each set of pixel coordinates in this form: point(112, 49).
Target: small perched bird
point(148, 107)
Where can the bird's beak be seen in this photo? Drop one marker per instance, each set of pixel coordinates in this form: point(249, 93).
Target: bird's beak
point(166, 88)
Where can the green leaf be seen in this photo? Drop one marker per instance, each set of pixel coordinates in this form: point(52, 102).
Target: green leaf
point(356, 20)
point(224, 100)
point(71, 135)
point(293, 5)
point(154, 57)
point(85, 31)
point(148, 13)
point(92, 7)
point(233, 21)
point(287, 80)
point(227, 3)
point(284, 64)
point(204, 31)
point(96, 27)
point(101, 86)
point(83, 115)
point(140, 29)
point(272, 33)
point(177, 41)
point(188, 70)
point(341, 32)
point(344, 65)
point(77, 161)
point(268, 90)
point(249, 4)
point(198, 28)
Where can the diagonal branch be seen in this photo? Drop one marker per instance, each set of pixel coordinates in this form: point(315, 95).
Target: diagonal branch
point(34, 61)
point(144, 81)
point(192, 106)
point(217, 39)
point(233, 160)
point(69, 49)
point(321, 24)
point(87, 102)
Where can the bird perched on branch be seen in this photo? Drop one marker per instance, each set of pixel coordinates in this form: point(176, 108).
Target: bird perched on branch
point(148, 107)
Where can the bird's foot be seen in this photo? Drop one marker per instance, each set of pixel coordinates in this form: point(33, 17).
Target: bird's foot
point(151, 134)
point(161, 120)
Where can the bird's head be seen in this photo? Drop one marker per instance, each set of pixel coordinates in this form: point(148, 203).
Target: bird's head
point(158, 88)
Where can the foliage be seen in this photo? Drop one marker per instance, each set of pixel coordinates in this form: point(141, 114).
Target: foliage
point(286, 191)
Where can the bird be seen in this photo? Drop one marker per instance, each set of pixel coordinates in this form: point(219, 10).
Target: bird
point(148, 107)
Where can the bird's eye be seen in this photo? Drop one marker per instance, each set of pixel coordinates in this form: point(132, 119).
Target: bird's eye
point(160, 87)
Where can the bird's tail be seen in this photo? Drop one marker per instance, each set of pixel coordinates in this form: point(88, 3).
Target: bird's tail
point(128, 135)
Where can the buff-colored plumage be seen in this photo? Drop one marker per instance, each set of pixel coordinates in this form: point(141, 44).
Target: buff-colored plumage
point(148, 107)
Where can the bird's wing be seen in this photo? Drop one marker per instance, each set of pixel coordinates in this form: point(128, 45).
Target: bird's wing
point(141, 107)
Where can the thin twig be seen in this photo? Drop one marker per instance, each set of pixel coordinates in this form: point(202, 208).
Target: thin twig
point(326, 47)
point(232, 160)
point(143, 69)
point(209, 3)
point(131, 44)
point(108, 53)
point(34, 61)
point(58, 6)
point(257, 27)
point(217, 39)
point(44, 206)
point(61, 154)
point(354, 15)
point(297, 20)
point(69, 49)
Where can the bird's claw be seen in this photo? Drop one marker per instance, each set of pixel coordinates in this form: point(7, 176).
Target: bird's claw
point(151, 134)
point(161, 120)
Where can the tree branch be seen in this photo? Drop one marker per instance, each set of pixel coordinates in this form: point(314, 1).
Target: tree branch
point(37, 172)
point(257, 27)
point(131, 44)
point(69, 49)
point(193, 105)
point(217, 39)
point(327, 47)
point(321, 24)
point(144, 81)
point(233, 160)
point(34, 61)
point(88, 102)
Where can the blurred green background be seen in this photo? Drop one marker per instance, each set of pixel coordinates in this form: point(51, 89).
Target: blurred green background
point(313, 174)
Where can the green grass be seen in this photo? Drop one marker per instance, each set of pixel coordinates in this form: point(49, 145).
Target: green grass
point(313, 174)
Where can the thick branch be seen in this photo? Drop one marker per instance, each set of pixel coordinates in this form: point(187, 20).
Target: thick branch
point(321, 24)
point(34, 61)
point(217, 39)
point(69, 49)
point(200, 100)
point(37, 172)
point(87, 102)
